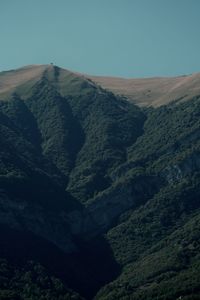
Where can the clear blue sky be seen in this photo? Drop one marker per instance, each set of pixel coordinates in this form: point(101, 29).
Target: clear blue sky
point(129, 38)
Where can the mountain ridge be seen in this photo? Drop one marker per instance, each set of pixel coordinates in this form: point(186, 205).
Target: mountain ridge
point(105, 189)
point(154, 91)
point(145, 92)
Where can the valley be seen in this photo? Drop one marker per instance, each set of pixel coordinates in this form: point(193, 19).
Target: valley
point(99, 186)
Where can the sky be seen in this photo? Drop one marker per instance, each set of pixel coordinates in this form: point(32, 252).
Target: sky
point(124, 38)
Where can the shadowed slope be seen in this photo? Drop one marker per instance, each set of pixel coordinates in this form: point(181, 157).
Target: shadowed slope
point(132, 177)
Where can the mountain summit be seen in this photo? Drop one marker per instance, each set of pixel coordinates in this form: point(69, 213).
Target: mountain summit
point(99, 190)
point(154, 91)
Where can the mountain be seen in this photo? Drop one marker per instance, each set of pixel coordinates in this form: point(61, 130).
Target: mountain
point(155, 91)
point(99, 196)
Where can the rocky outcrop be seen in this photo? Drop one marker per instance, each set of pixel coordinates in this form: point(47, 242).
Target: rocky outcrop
point(175, 172)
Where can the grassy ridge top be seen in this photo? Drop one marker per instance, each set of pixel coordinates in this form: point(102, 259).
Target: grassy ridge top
point(153, 91)
point(145, 92)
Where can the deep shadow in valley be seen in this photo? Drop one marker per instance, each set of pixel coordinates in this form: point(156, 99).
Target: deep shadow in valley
point(85, 271)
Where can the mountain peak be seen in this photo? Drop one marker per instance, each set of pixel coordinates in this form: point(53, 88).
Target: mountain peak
point(22, 79)
point(102, 194)
point(155, 91)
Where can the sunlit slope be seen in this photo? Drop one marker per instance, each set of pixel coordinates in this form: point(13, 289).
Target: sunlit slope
point(153, 91)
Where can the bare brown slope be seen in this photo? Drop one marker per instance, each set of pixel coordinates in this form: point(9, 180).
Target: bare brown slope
point(9, 80)
point(155, 91)
point(152, 91)
point(22, 80)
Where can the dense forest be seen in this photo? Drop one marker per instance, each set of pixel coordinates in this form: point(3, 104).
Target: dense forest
point(99, 198)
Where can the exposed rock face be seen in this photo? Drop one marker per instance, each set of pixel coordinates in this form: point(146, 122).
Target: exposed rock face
point(186, 167)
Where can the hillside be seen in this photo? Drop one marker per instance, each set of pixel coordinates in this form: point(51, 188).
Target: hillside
point(99, 196)
point(155, 91)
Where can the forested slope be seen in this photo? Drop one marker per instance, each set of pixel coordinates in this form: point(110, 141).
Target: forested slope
point(106, 190)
